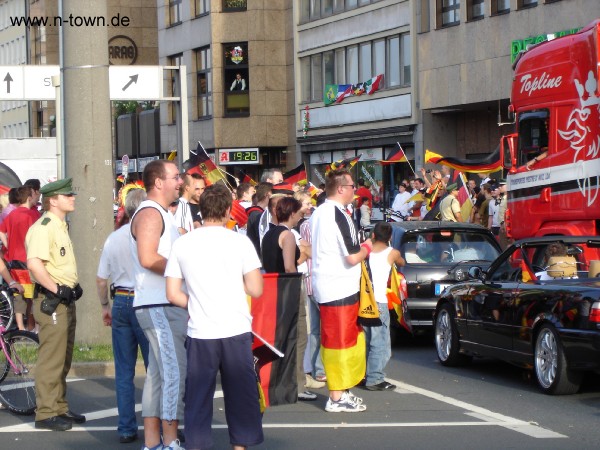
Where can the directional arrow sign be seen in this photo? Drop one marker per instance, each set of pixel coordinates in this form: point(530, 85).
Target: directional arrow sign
point(135, 82)
point(12, 82)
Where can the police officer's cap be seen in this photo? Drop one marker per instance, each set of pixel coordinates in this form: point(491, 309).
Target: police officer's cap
point(64, 187)
point(451, 187)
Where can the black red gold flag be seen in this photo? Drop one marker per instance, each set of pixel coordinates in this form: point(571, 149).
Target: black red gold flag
point(201, 164)
point(395, 156)
point(491, 163)
point(297, 175)
point(275, 318)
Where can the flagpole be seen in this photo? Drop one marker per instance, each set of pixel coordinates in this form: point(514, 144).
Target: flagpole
point(409, 164)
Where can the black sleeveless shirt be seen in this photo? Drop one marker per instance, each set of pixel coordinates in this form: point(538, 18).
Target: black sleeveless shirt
point(272, 254)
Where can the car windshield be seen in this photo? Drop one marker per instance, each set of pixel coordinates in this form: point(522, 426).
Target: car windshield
point(447, 247)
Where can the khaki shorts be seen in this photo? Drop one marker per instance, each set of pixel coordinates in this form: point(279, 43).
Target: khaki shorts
point(21, 304)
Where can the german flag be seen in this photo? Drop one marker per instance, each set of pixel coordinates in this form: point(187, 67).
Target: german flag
point(464, 196)
point(201, 164)
point(247, 179)
point(297, 175)
point(343, 164)
point(396, 156)
point(397, 293)
point(239, 214)
point(20, 274)
point(275, 318)
point(490, 163)
point(343, 347)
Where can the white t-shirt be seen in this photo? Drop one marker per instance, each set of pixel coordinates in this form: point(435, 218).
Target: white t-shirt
point(334, 237)
point(400, 203)
point(183, 215)
point(380, 271)
point(217, 306)
point(493, 211)
point(115, 261)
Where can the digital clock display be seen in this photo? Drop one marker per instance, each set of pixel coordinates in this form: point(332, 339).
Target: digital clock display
point(239, 156)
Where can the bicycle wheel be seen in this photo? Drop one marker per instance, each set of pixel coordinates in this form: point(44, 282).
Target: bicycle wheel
point(6, 310)
point(17, 390)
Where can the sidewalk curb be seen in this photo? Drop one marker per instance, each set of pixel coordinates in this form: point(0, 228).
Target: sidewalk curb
point(101, 369)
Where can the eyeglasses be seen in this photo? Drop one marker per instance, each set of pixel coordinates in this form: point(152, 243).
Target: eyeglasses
point(349, 185)
point(176, 177)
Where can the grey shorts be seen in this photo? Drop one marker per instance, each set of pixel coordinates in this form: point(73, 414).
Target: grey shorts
point(20, 304)
point(166, 330)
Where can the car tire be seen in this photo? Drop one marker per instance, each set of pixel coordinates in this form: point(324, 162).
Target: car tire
point(550, 364)
point(446, 338)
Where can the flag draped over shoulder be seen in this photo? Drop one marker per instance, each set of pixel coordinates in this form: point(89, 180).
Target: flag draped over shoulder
point(336, 93)
point(395, 156)
point(297, 175)
point(201, 164)
point(397, 293)
point(343, 164)
point(490, 163)
point(275, 318)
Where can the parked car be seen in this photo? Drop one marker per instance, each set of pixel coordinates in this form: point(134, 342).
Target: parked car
point(437, 254)
point(535, 307)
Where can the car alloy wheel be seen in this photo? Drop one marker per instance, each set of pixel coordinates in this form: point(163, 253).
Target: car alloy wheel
point(550, 364)
point(446, 338)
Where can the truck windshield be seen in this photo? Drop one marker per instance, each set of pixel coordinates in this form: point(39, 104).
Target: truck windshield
point(533, 135)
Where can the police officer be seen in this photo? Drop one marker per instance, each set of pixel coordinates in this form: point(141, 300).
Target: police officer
point(51, 261)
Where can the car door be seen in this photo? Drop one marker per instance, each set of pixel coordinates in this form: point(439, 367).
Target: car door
point(490, 316)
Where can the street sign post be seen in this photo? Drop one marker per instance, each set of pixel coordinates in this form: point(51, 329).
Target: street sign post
point(135, 82)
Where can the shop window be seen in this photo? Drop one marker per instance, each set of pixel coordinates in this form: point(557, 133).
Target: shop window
point(203, 82)
point(234, 5)
point(237, 81)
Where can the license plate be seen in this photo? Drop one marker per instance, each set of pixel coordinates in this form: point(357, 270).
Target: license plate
point(439, 287)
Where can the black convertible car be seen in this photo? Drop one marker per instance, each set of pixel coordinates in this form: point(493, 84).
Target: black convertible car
point(537, 306)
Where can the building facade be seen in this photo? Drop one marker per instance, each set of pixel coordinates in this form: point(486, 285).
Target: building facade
point(238, 57)
point(345, 47)
point(14, 115)
point(465, 54)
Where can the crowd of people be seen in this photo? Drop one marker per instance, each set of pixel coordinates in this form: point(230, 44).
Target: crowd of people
point(190, 317)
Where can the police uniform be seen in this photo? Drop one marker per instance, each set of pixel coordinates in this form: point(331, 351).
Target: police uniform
point(48, 240)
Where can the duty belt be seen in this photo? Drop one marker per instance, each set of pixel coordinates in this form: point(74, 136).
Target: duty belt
point(39, 289)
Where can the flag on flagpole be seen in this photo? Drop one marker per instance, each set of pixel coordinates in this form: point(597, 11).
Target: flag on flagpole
point(343, 164)
point(247, 178)
point(397, 293)
point(200, 163)
point(464, 197)
point(297, 175)
point(395, 156)
point(489, 164)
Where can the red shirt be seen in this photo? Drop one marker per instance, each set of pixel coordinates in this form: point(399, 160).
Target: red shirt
point(364, 192)
point(15, 225)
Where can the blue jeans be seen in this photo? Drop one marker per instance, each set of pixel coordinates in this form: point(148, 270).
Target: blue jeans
point(314, 338)
point(126, 336)
point(379, 347)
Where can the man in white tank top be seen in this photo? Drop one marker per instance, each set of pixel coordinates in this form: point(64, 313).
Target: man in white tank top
point(379, 347)
point(152, 234)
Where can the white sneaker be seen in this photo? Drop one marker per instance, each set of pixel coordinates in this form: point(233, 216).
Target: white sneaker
point(346, 403)
point(175, 445)
point(354, 398)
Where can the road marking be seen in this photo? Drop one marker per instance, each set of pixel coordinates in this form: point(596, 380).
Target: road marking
point(26, 384)
point(511, 423)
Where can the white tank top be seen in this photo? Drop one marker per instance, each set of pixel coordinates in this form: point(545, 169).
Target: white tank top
point(150, 288)
point(380, 270)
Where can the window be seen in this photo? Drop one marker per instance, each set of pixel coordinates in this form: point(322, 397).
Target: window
point(500, 6)
point(201, 7)
point(448, 12)
point(204, 82)
point(236, 82)
point(174, 12)
point(533, 135)
point(365, 62)
point(522, 4)
point(476, 9)
point(326, 7)
point(173, 84)
point(355, 64)
point(234, 5)
point(317, 9)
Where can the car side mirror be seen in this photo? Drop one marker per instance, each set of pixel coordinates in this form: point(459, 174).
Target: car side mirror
point(475, 272)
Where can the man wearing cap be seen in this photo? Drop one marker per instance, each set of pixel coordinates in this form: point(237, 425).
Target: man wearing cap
point(51, 261)
point(450, 206)
point(503, 238)
point(494, 210)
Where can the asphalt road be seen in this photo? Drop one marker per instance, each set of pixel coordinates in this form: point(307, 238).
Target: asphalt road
point(488, 405)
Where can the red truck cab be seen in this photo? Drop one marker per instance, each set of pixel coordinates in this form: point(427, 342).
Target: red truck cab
point(554, 157)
